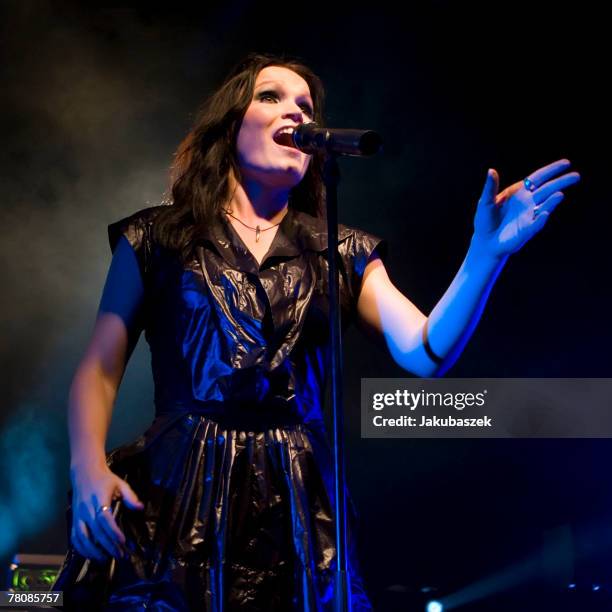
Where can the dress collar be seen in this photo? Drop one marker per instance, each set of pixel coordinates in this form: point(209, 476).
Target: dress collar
point(297, 232)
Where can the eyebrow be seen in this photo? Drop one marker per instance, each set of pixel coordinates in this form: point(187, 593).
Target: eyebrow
point(304, 95)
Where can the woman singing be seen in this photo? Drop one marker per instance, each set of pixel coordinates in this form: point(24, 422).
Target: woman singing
point(226, 501)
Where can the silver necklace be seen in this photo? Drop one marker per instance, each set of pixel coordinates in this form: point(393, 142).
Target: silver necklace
point(258, 231)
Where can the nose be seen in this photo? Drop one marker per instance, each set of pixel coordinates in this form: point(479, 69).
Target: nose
point(296, 114)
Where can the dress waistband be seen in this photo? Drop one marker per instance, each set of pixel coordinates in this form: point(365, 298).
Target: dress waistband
point(275, 413)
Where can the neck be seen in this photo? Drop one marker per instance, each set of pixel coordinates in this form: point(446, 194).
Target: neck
point(253, 202)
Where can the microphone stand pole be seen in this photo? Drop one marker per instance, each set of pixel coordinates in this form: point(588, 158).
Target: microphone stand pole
point(342, 582)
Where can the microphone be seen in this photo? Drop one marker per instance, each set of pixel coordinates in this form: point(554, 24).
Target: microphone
point(310, 138)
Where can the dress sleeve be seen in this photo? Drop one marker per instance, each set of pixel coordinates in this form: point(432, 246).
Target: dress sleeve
point(355, 251)
point(128, 277)
point(137, 231)
point(123, 293)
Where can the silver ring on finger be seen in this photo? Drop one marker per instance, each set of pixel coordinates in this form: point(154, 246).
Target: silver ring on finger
point(536, 211)
point(529, 185)
point(102, 509)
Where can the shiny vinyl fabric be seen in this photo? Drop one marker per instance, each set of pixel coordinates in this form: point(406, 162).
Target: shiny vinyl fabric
point(235, 471)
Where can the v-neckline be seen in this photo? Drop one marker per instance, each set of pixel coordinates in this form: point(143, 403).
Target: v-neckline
point(297, 233)
point(239, 242)
point(244, 246)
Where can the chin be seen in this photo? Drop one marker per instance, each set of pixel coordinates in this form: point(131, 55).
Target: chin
point(288, 175)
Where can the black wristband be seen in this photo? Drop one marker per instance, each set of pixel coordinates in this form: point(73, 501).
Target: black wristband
point(430, 353)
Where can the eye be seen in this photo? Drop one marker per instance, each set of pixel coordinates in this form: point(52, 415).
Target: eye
point(274, 96)
point(307, 110)
point(267, 94)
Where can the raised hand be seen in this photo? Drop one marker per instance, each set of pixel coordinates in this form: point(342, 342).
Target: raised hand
point(505, 221)
point(95, 533)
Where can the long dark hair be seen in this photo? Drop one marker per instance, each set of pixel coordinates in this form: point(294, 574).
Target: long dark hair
point(200, 173)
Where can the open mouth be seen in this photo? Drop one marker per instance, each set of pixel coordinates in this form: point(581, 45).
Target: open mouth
point(284, 139)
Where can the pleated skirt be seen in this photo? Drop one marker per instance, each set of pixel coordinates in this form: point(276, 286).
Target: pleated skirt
point(234, 520)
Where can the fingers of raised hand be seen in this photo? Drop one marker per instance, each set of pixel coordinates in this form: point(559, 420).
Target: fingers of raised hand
point(551, 187)
point(489, 192)
point(549, 204)
point(544, 174)
point(507, 193)
point(538, 223)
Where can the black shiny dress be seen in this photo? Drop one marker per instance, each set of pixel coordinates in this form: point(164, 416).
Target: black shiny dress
point(235, 471)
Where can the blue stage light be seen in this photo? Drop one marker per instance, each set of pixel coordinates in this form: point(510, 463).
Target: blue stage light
point(434, 606)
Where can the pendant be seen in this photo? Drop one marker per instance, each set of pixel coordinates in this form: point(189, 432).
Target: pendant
point(257, 233)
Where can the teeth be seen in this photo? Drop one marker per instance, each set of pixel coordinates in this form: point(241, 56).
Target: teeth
point(283, 136)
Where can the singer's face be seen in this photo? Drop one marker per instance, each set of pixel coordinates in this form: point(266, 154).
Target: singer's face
point(281, 98)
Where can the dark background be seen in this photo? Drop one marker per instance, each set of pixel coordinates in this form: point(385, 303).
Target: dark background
point(94, 101)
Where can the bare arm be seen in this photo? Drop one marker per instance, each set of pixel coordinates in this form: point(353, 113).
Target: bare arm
point(93, 391)
point(91, 400)
point(385, 309)
point(504, 222)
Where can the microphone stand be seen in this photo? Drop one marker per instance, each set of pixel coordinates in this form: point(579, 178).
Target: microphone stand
point(336, 142)
point(331, 177)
